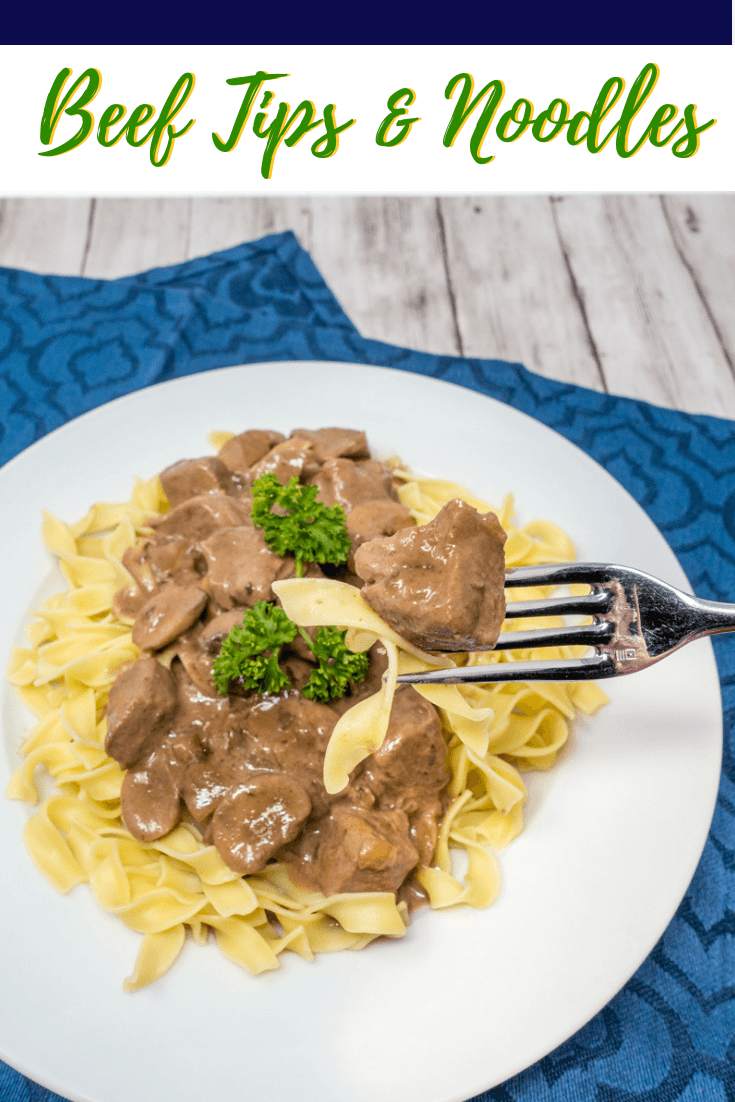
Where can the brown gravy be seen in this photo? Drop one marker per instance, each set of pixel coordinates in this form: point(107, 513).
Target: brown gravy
point(246, 768)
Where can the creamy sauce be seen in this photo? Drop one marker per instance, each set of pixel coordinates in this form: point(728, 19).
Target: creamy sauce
point(246, 768)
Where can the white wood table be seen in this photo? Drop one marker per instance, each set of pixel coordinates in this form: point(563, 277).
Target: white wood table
point(631, 294)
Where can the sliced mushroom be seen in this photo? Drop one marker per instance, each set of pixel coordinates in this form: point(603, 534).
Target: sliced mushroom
point(167, 615)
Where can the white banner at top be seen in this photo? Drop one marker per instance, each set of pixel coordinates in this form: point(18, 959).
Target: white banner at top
point(268, 120)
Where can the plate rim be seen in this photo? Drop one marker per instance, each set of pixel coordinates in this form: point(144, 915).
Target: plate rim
point(69, 427)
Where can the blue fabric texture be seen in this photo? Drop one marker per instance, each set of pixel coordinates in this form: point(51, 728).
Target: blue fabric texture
point(70, 344)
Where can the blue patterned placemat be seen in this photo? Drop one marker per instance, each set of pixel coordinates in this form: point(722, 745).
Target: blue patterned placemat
point(69, 344)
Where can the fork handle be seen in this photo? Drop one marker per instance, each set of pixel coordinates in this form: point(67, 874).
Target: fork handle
point(710, 617)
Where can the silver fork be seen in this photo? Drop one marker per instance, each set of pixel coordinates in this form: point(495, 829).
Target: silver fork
point(636, 620)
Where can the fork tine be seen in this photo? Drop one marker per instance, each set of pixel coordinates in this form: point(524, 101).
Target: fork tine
point(561, 573)
point(566, 669)
point(587, 605)
point(588, 634)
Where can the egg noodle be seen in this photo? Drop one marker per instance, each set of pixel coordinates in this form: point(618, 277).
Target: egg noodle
point(163, 888)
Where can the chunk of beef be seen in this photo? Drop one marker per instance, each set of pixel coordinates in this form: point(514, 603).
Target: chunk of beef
point(199, 517)
point(413, 754)
point(410, 770)
point(242, 567)
point(141, 700)
point(364, 851)
point(372, 519)
point(347, 483)
point(291, 459)
point(439, 585)
point(255, 820)
point(242, 451)
point(167, 615)
point(291, 734)
point(425, 820)
point(333, 443)
point(213, 720)
point(193, 477)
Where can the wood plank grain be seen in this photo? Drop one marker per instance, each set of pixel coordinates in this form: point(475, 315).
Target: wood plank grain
point(381, 256)
point(44, 235)
point(703, 229)
point(515, 298)
point(650, 327)
point(130, 235)
point(222, 222)
point(633, 292)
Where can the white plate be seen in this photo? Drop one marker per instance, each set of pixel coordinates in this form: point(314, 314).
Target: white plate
point(468, 998)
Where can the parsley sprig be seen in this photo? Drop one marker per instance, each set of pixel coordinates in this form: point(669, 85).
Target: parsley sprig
point(250, 654)
point(338, 666)
point(294, 521)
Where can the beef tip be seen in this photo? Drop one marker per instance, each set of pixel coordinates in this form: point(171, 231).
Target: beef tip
point(242, 567)
point(255, 820)
point(209, 717)
point(241, 452)
point(425, 820)
point(167, 615)
point(292, 735)
point(141, 700)
point(193, 477)
point(364, 851)
point(291, 459)
point(372, 519)
point(151, 797)
point(413, 754)
point(347, 483)
point(439, 585)
point(334, 443)
point(199, 517)
point(409, 771)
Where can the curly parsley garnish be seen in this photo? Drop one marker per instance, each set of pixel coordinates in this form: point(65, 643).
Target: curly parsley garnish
point(338, 666)
point(300, 524)
point(251, 651)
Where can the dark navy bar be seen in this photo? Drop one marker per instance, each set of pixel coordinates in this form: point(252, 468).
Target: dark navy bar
point(572, 23)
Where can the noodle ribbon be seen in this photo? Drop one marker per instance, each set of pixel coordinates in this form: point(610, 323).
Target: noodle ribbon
point(163, 889)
